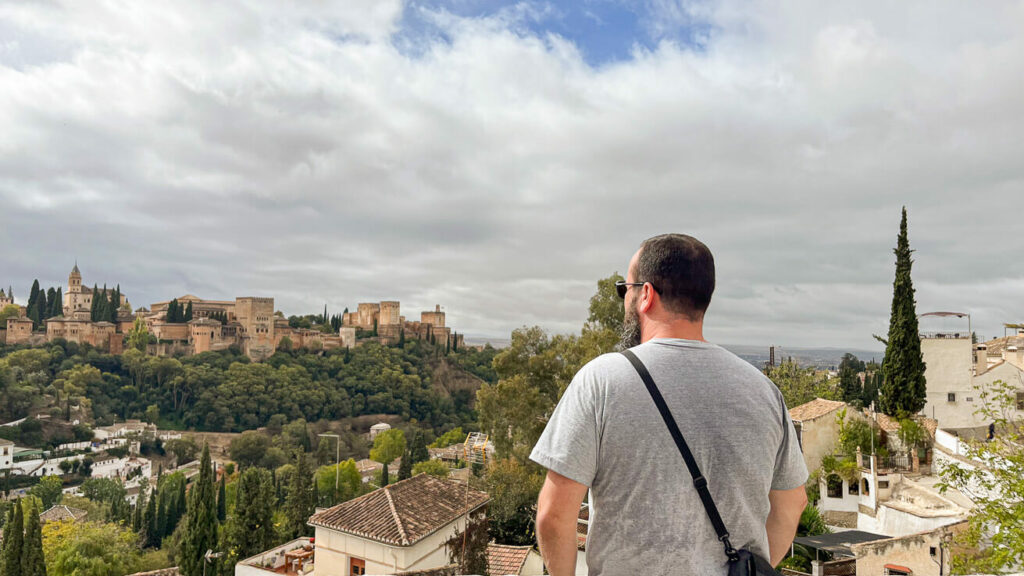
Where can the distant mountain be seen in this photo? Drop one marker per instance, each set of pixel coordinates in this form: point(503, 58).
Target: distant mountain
point(822, 358)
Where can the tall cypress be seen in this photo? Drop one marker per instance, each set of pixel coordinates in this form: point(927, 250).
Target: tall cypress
point(32, 562)
point(33, 298)
point(200, 532)
point(251, 528)
point(57, 306)
point(150, 522)
point(95, 306)
point(300, 502)
point(14, 539)
point(903, 384)
point(188, 312)
point(222, 499)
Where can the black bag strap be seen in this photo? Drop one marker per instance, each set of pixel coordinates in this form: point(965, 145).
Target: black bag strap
point(699, 481)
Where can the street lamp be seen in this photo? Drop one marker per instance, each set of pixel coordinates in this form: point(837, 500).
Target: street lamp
point(210, 555)
point(337, 466)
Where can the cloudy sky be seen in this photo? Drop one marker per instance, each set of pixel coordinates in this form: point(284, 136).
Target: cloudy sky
point(498, 158)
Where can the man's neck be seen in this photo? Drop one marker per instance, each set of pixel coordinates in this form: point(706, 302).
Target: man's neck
point(678, 329)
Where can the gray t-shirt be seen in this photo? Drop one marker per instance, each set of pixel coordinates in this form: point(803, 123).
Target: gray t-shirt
point(645, 515)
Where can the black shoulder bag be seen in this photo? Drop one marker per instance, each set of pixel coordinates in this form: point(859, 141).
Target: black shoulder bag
point(742, 562)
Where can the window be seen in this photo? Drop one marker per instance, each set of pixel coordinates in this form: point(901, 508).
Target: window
point(951, 397)
point(854, 489)
point(834, 486)
point(933, 550)
point(356, 566)
point(865, 486)
point(1020, 400)
point(883, 484)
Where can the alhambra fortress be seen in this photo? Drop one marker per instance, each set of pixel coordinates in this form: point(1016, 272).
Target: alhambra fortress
point(251, 324)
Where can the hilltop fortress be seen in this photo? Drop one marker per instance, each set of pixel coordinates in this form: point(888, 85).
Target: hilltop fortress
point(250, 323)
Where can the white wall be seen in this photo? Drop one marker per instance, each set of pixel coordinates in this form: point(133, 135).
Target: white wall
point(893, 522)
point(949, 365)
point(847, 503)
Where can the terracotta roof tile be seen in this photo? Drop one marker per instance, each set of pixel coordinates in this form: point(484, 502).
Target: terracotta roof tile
point(504, 560)
point(814, 409)
point(61, 512)
point(402, 513)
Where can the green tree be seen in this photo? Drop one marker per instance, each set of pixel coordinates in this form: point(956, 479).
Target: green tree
point(453, 436)
point(14, 539)
point(514, 488)
point(57, 306)
point(405, 468)
point(222, 499)
point(200, 533)
point(48, 490)
point(89, 549)
point(801, 385)
point(150, 525)
point(188, 312)
point(138, 336)
point(349, 482)
point(9, 311)
point(300, 502)
point(249, 448)
point(32, 562)
point(432, 467)
point(184, 449)
point(250, 529)
point(849, 381)
point(903, 387)
point(387, 446)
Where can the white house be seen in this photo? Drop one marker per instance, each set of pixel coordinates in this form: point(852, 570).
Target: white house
point(378, 428)
point(955, 369)
point(6, 454)
point(401, 527)
point(295, 558)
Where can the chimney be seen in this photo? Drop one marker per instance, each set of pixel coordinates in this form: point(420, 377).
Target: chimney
point(980, 359)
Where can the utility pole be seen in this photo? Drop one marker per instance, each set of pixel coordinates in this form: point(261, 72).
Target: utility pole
point(337, 465)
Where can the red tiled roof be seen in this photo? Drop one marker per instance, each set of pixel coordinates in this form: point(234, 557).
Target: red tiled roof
point(402, 513)
point(504, 560)
point(892, 425)
point(814, 409)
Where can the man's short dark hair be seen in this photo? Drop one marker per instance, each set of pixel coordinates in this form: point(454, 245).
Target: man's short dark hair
point(682, 270)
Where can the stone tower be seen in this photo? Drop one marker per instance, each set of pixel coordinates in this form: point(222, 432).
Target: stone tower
point(75, 281)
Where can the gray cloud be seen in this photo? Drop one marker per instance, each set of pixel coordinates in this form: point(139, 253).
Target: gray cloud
point(243, 148)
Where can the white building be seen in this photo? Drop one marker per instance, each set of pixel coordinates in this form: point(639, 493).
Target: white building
point(401, 527)
point(6, 454)
point(292, 559)
point(955, 370)
point(378, 428)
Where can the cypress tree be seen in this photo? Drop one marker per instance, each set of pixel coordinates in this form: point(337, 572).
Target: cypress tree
point(140, 505)
point(57, 306)
point(14, 539)
point(33, 298)
point(149, 521)
point(188, 312)
point(32, 562)
point(903, 384)
point(200, 533)
point(51, 298)
point(222, 503)
point(42, 304)
point(405, 468)
point(95, 306)
point(384, 476)
point(418, 449)
point(250, 529)
point(299, 503)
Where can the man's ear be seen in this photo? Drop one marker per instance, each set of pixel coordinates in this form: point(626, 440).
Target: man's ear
point(647, 295)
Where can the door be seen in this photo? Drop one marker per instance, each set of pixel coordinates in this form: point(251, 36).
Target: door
point(356, 567)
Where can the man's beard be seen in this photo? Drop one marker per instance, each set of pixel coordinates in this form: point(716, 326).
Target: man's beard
point(629, 335)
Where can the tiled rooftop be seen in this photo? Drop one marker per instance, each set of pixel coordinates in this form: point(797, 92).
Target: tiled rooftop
point(814, 409)
point(503, 560)
point(402, 513)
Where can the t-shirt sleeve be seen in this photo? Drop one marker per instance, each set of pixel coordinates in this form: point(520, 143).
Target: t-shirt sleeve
point(790, 468)
point(570, 442)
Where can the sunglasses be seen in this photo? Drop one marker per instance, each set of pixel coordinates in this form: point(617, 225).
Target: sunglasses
point(621, 286)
